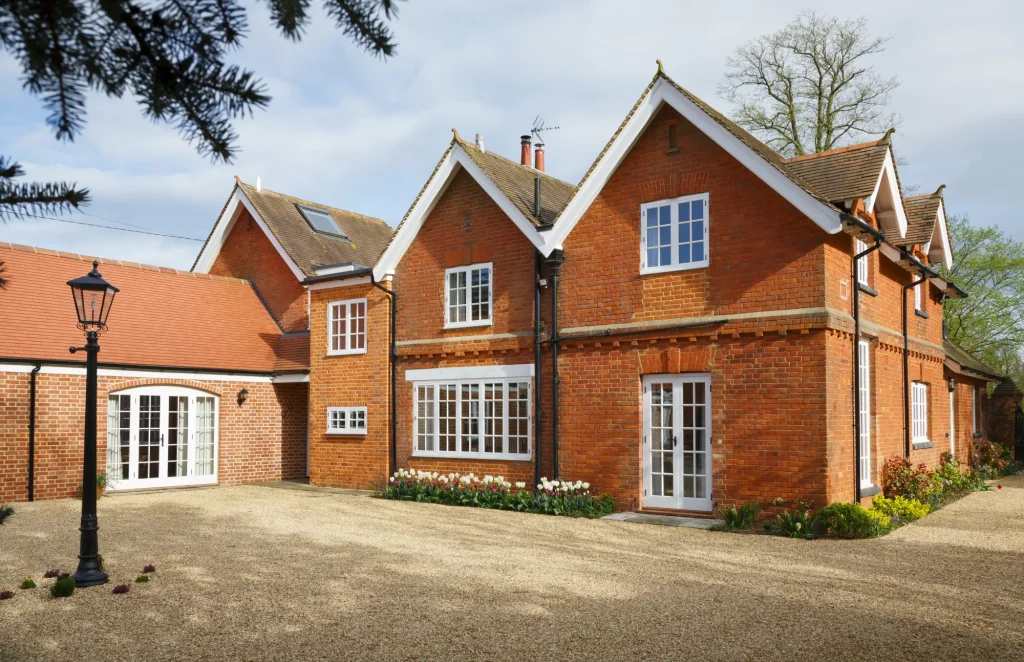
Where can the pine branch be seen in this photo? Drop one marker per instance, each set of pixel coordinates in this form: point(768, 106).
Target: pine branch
point(360, 21)
point(19, 200)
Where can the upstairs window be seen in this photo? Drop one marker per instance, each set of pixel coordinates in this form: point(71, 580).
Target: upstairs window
point(862, 263)
point(919, 411)
point(674, 234)
point(321, 221)
point(346, 327)
point(467, 300)
point(917, 298)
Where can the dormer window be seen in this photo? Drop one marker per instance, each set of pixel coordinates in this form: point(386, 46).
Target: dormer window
point(320, 221)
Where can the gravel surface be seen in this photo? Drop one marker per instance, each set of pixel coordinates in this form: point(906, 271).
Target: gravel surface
point(258, 573)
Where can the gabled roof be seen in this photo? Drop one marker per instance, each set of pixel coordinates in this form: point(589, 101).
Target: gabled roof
point(302, 247)
point(734, 139)
point(161, 317)
point(842, 174)
point(969, 362)
point(922, 211)
point(516, 181)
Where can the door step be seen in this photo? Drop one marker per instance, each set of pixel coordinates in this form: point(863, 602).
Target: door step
point(666, 520)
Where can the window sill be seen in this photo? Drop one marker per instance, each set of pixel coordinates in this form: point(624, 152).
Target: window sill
point(517, 457)
point(667, 270)
point(921, 313)
point(921, 445)
point(339, 433)
point(869, 490)
point(354, 352)
point(467, 325)
point(867, 289)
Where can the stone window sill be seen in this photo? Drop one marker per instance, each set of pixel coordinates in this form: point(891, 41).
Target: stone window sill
point(867, 289)
point(921, 445)
point(870, 491)
point(921, 313)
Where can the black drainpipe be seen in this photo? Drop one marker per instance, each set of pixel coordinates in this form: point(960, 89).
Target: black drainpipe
point(537, 423)
point(32, 432)
point(554, 268)
point(393, 361)
point(906, 368)
point(864, 227)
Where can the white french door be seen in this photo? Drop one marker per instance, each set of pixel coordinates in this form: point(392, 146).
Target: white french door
point(161, 436)
point(677, 441)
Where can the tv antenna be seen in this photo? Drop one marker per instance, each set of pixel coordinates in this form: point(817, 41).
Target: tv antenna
point(539, 127)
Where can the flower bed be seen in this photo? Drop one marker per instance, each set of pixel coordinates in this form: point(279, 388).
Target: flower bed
point(551, 497)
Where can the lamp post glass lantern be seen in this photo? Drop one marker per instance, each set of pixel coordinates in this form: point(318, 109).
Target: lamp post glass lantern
point(93, 298)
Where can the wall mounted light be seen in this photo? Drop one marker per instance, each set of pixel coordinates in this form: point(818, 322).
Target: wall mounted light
point(243, 395)
point(952, 384)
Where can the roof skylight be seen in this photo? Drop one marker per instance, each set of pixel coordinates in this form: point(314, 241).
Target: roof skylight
point(321, 221)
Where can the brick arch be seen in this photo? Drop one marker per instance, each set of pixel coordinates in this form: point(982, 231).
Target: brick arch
point(676, 360)
point(160, 381)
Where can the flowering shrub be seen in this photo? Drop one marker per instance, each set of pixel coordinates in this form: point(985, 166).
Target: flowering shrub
point(742, 518)
point(900, 509)
point(993, 461)
point(901, 478)
point(794, 523)
point(551, 497)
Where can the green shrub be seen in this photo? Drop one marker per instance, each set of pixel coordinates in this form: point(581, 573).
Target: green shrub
point(5, 512)
point(851, 520)
point(795, 523)
point(993, 461)
point(63, 587)
point(742, 518)
point(549, 498)
point(28, 583)
point(952, 478)
point(142, 579)
point(900, 509)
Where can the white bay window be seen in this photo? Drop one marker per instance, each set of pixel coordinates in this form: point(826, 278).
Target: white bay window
point(484, 418)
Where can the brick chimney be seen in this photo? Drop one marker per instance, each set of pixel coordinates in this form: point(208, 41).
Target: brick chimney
point(538, 162)
point(526, 154)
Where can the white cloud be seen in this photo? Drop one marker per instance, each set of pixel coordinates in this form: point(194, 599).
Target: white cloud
point(356, 132)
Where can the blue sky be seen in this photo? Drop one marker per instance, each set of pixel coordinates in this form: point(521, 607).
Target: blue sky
point(354, 132)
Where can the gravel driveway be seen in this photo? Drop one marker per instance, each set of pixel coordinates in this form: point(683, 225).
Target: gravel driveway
point(262, 573)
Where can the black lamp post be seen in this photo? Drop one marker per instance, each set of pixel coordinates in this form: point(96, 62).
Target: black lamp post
point(93, 298)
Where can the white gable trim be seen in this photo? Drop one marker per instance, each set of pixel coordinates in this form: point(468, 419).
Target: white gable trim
point(943, 232)
point(456, 158)
point(223, 228)
point(663, 92)
point(888, 175)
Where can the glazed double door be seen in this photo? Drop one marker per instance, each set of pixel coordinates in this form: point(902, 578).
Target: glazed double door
point(159, 437)
point(677, 441)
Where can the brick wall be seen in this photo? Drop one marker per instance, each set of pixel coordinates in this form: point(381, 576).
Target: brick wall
point(357, 380)
point(262, 440)
point(247, 253)
point(1001, 419)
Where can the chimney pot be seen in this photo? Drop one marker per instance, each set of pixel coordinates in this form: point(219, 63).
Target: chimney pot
point(526, 155)
point(259, 185)
point(480, 142)
point(538, 162)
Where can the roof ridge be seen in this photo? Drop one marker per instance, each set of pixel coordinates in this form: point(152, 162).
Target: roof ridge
point(830, 152)
point(310, 202)
point(38, 250)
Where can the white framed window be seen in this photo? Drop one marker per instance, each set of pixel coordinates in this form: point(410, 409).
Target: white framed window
point(862, 263)
point(474, 418)
point(864, 414)
point(346, 420)
point(975, 428)
point(917, 297)
point(919, 411)
point(467, 295)
point(674, 234)
point(346, 327)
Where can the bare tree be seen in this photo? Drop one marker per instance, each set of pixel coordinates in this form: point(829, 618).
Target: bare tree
point(806, 87)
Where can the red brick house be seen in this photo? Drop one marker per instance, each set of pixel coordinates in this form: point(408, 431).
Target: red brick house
point(684, 328)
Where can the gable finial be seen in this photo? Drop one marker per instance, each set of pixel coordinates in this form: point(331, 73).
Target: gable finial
point(238, 181)
point(938, 191)
point(456, 135)
point(661, 69)
point(887, 138)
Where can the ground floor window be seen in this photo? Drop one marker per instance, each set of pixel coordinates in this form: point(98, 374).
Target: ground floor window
point(346, 420)
point(864, 413)
point(919, 410)
point(161, 435)
point(481, 418)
